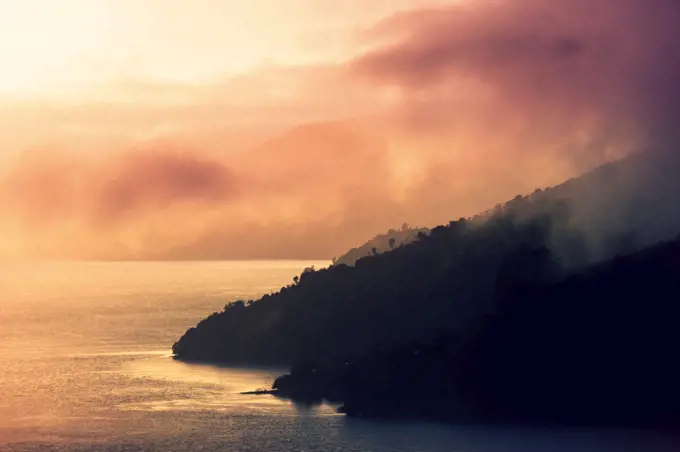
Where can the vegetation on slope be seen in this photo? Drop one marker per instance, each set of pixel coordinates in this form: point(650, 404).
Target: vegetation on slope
point(597, 347)
point(381, 243)
point(480, 318)
point(385, 299)
point(447, 280)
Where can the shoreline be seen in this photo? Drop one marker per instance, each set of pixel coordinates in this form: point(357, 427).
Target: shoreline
point(382, 412)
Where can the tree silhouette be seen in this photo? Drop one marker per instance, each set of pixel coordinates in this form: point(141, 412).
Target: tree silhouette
point(501, 314)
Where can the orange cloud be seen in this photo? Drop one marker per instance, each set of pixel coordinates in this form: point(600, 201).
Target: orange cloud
point(310, 193)
point(449, 111)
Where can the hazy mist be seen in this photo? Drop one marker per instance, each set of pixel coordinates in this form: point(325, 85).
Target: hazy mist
point(441, 112)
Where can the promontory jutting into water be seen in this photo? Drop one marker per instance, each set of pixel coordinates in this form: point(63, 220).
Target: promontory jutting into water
point(86, 366)
point(340, 225)
point(521, 314)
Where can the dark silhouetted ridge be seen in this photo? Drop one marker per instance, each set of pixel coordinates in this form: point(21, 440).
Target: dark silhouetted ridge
point(381, 243)
point(595, 348)
point(481, 317)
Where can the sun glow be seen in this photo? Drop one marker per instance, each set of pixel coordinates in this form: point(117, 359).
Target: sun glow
point(48, 43)
point(47, 46)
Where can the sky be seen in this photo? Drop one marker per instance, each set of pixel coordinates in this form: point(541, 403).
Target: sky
point(166, 129)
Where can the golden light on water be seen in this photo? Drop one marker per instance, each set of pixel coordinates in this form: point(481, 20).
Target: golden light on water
point(161, 158)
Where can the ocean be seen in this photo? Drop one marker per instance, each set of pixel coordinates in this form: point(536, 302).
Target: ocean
point(86, 365)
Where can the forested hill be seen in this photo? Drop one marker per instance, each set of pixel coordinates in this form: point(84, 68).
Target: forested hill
point(381, 244)
point(449, 279)
point(595, 348)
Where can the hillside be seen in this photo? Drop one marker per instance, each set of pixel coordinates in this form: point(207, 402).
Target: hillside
point(381, 243)
point(595, 348)
point(449, 279)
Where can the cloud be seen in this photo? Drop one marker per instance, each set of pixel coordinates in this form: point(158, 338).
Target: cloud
point(311, 192)
point(605, 69)
point(227, 114)
point(44, 187)
point(445, 112)
point(155, 180)
point(288, 197)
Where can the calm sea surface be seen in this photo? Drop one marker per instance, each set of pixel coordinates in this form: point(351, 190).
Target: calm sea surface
point(85, 365)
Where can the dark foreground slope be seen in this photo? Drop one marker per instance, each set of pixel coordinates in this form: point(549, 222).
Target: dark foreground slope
point(599, 347)
point(449, 279)
point(444, 281)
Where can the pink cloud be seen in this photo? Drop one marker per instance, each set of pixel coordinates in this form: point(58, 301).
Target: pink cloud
point(451, 110)
point(609, 60)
